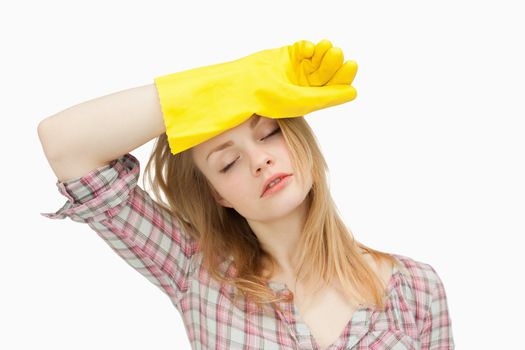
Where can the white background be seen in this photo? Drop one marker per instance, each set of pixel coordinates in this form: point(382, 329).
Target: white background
point(427, 161)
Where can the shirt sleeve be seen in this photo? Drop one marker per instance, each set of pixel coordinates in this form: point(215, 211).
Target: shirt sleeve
point(436, 333)
point(143, 233)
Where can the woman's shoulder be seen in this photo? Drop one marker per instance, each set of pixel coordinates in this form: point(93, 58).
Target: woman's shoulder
point(417, 282)
point(418, 287)
point(420, 273)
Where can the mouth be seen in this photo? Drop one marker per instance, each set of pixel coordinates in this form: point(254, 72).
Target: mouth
point(274, 181)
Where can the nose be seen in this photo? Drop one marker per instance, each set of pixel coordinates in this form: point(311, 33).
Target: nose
point(267, 161)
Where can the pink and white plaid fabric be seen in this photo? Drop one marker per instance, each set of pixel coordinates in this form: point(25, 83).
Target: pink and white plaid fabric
point(150, 240)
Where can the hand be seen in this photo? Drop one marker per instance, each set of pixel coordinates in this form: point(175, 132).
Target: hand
point(297, 79)
point(320, 65)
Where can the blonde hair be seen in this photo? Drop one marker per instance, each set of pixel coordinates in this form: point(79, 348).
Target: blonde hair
point(327, 247)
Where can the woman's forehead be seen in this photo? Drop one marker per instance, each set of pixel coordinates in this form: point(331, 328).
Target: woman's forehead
point(245, 126)
point(203, 148)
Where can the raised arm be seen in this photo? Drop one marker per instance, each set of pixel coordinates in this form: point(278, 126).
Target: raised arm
point(88, 147)
point(91, 134)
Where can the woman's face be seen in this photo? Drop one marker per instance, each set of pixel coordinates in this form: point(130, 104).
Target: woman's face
point(257, 150)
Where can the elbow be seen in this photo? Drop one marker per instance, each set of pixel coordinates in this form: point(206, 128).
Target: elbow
point(48, 137)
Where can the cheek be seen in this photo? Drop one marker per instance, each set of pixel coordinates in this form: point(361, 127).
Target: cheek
point(231, 188)
point(241, 192)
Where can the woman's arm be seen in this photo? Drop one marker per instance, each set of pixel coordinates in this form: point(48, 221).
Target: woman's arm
point(141, 231)
point(91, 134)
point(437, 325)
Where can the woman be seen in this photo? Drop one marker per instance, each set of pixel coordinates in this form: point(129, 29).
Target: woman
point(248, 245)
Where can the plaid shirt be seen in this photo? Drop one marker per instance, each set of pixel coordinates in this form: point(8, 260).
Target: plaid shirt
point(152, 242)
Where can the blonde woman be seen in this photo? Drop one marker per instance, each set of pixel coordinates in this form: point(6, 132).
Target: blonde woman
point(248, 244)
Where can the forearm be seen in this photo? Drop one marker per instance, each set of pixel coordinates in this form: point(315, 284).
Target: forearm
point(104, 128)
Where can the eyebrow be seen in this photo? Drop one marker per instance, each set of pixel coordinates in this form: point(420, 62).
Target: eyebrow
point(229, 143)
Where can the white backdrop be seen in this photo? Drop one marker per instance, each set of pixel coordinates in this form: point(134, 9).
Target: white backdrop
point(427, 161)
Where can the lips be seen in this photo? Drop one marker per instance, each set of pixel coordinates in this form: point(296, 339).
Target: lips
point(271, 178)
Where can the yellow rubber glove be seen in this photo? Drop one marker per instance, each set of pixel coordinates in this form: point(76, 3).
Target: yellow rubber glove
point(290, 81)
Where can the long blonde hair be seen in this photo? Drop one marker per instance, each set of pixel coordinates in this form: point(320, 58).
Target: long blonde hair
point(327, 247)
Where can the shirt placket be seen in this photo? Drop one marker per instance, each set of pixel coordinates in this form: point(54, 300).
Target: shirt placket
point(297, 329)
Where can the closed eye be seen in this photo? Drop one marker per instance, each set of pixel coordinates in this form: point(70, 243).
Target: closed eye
point(273, 132)
point(225, 169)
